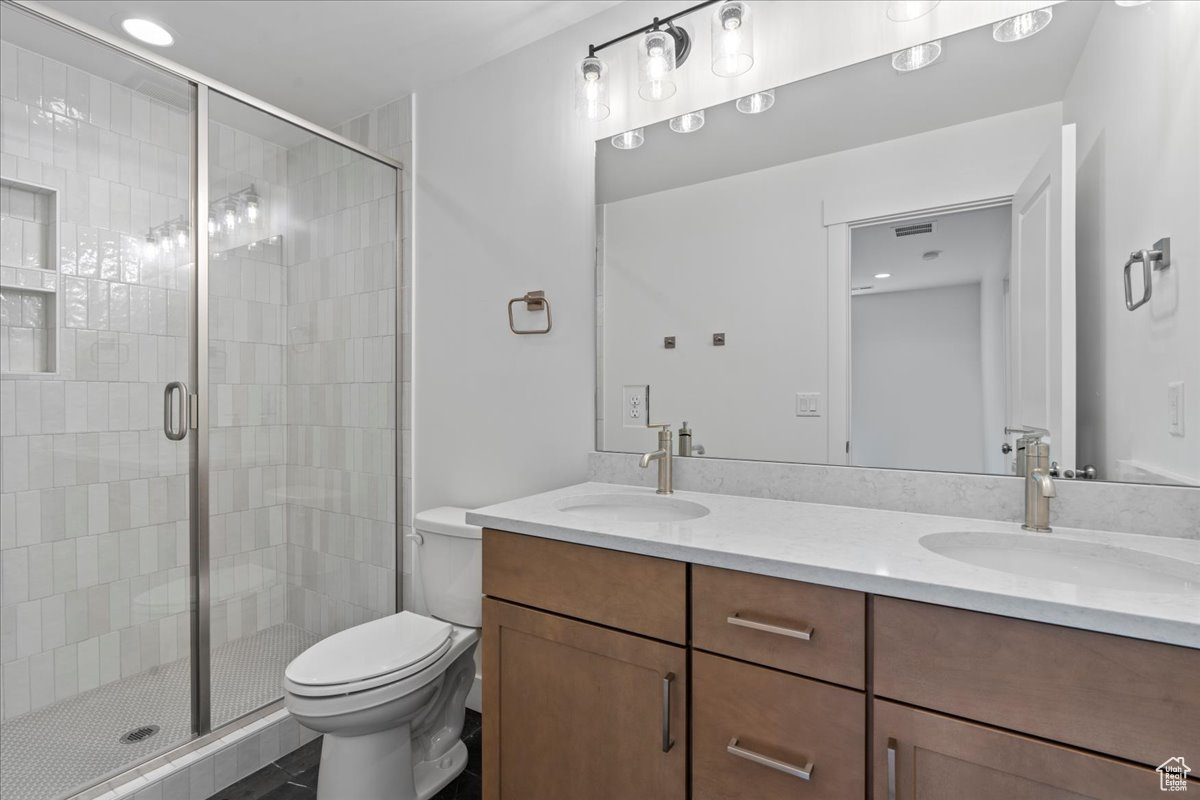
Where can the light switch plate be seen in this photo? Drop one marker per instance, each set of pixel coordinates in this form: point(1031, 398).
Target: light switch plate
point(635, 406)
point(1175, 407)
point(808, 404)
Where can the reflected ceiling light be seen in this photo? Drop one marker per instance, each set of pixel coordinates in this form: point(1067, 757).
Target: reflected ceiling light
point(756, 103)
point(918, 57)
point(687, 123)
point(908, 10)
point(147, 31)
point(591, 89)
point(1022, 26)
point(883, 275)
point(1131, 3)
point(629, 140)
point(656, 63)
point(732, 39)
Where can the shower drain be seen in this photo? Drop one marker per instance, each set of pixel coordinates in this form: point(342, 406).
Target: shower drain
point(139, 734)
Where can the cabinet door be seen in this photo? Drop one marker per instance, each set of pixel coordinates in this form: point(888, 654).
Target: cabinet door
point(759, 734)
point(578, 711)
point(920, 755)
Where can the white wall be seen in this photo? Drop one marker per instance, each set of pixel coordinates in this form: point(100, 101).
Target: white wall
point(917, 396)
point(1139, 180)
point(746, 256)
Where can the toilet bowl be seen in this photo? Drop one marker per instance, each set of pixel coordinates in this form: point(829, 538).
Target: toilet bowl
point(390, 695)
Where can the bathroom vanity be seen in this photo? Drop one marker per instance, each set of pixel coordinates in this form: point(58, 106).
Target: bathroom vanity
point(733, 647)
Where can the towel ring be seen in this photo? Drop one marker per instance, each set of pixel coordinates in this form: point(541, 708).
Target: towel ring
point(534, 301)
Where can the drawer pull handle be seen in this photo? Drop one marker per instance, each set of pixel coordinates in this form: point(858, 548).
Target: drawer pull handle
point(891, 769)
point(667, 741)
point(796, 633)
point(803, 773)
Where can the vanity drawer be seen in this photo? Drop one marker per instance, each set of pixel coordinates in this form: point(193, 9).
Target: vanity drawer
point(635, 593)
point(787, 719)
point(758, 618)
point(1125, 697)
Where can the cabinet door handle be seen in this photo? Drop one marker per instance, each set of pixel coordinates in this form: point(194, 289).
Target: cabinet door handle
point(803, 773)
point(667, 741)
point(736, 618)
point(891, 769)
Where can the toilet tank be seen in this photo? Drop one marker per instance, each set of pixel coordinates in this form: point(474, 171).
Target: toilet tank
point(449, 556)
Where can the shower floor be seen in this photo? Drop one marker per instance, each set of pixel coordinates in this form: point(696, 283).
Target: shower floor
point(59, 749)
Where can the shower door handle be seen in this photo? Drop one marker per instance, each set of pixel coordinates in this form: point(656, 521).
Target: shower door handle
point(175, 430)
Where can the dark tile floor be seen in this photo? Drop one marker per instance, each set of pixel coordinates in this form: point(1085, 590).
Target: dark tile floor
point(294, 777)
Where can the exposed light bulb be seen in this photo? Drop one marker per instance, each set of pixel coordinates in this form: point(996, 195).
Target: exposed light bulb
point(686, 123)
point(732, 39)
point(656, 62)
point(1022, 26)
point(629, 140)
point(591, 89)
point(918, 57)
point(756, 103)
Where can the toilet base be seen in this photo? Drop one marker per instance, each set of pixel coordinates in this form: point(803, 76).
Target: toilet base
point(379, 766)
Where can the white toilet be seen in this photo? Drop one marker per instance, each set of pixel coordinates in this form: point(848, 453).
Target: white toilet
point(390, 695)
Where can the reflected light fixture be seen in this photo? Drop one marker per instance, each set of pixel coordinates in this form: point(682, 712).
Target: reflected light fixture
point(1131, 3)
point(147, 31)
point(908, 10)
point(656, 62)
point(1022, 26)
point(591, 89)
point(629, 140)
point(687, 123)
point(149, 248)
point(252, 208)
point(756, 103)
point(882, 275)
point(918, 57)
point(732, 39)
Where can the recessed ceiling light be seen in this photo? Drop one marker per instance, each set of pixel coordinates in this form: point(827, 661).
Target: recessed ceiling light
point(1022, 26)
point(930, 255)
point(629, 140)
point(908, 10)
point(147, 31)
point(883, 275)
point(918, 57)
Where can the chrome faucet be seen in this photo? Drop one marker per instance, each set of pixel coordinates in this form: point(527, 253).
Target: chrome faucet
point(663, 456)
point(1039, 484)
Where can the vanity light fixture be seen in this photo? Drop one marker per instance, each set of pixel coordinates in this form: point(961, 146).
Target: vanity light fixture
point(629, 140)
point(917, 57)
point(591, 89)
point(732, 39)
point(147, 31)
point(656, 62)
point(1022, 26)
point(908, 10)
point(756, 103)
point(883, 275)
point(687, 123)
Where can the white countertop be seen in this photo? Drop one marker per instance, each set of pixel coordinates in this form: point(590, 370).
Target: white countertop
point(870, 551)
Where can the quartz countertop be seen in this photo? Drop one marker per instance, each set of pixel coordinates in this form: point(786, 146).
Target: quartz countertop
point(869, 550)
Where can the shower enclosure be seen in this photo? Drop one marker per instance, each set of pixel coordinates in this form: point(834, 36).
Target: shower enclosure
point(198, 461)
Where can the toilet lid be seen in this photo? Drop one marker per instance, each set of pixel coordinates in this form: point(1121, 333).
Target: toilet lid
point(370, 650)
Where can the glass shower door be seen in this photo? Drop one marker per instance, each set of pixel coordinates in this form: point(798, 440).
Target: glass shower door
point(96, 271)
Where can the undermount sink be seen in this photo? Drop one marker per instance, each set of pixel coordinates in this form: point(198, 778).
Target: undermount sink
point(632, 508)
point(1068, 561)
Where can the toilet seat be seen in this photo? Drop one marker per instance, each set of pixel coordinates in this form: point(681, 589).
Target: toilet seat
point(366, 656)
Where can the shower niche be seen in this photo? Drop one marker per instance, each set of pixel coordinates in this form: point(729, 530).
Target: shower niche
point(28, 278)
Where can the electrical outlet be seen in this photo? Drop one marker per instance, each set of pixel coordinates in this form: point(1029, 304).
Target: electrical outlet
point(1175, 408)
point(635, 406)
point(808, 404)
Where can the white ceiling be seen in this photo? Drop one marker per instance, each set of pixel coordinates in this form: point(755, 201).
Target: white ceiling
point(331, 61)
point(856, 106)
point(973, 244)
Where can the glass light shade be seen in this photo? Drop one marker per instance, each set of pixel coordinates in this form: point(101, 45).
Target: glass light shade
point(686, 123)
point(732, 39)
point(166, 242)
point(149, 248)
point(253, 208)
point(214, 227)
point(908, 10)
point(591, 89)
point(756, 103)
point(656, 63)
point(230, 219)
point(181, 237)
point(1022, 26)
point(629, 140)
point(917, 57)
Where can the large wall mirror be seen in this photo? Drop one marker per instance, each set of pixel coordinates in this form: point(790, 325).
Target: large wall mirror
point(907, 269)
